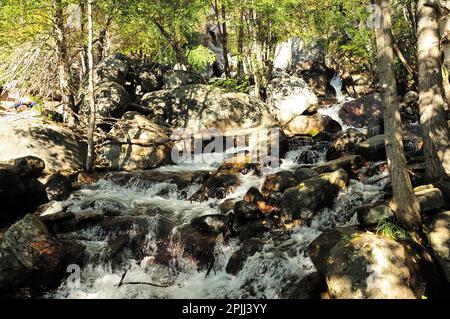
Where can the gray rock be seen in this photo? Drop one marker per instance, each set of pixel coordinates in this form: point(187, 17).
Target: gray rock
point(371, 215)
point(58, 187)
point(201, 107)
point(439, 238)
point(30, 255)
point(430, 198)
point(305, 200)
point(289, 97)
point(219, 185)
point(363, 112)
point(311, 125)
point(373, 267)
point(155, 151)
point(373, 149)
point(345, 143)
point(58, 147)
point(176, 78)
point(239, 257)
point(348, 163)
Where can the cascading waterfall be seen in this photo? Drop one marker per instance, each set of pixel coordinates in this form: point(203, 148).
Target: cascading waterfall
point(271, 273)
point(336, 83)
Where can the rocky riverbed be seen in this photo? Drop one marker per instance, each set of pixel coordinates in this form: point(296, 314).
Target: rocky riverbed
point(215, 225)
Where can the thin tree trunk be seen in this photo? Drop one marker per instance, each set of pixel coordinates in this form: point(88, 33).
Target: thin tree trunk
point(240, 66)
point(225, 42)
point(91, 152)
point(431, 101)
point(404, 202)
point(65, 77)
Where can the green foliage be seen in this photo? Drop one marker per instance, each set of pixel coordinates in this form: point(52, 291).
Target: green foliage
point(201, 57)
point(390, 230)
point(231, 84)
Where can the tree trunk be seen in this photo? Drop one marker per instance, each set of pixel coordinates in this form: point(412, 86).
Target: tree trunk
point(225, 42)
point(91, 152)
point(240, 41)
point(65, 77)
point(431, 101)
point(404, 202)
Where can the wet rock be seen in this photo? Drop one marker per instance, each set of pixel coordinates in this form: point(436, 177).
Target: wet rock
point(371, 215)
point(131, 156)
point(303, 173)
point(349, 163)
point(253, 196)
point(307, 288)
point(289, 97)
point(58, 187)
point(345, 143)
point(227, 206)
point(363, 112)
point(240, 164)
point(195, 245)
point(439, 238)
point(255, 228)
point(30, 256)
point(239, 257)
point(311, 125)
point(29, 167)
point(373, 149)
point(305, 200)
point(279, 182)
point(212, 223)
point(219, 185)
point(374, 267)
point(430, 198)
point(146, 179)
point(245, 212)
point(320, 249)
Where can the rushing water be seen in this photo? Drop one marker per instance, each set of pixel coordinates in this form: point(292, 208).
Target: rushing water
point(270, 273)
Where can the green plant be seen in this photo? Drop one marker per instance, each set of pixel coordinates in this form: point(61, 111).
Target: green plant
point(231, 84)
point(201, 57)
point(390, 230)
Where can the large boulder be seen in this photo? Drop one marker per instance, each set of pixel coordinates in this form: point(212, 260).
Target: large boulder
point(372, 149)
point(194, 245)
point(363, 112)
point(57, 146)
point(30, 256)
point(201, 107)
point(349, 163)
point(114, 69)
point(344, 143)
point(302, 202)
point(219, 185)
point(20, 191)
point(288, 97)
point(368, 266)
point(176, 78)
point(430, 198)
point(138, 143)
point(311, 125)
point(111, 100)
point(295, 54)
point(439, 238)
point(371, 215)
